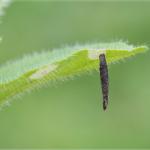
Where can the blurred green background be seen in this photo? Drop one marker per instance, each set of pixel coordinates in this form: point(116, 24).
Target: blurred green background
point(69, 114)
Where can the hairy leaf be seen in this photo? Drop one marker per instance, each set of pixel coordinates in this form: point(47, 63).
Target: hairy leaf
point(35, 70)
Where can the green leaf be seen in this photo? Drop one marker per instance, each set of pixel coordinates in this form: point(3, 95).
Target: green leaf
point(35, 70)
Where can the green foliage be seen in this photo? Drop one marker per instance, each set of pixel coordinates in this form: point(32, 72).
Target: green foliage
point(35, 70)
point(3, 5)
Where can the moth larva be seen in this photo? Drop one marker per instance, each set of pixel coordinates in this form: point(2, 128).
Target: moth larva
point(104, 79)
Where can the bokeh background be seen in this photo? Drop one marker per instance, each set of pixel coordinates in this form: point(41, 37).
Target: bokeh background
point(69, 114)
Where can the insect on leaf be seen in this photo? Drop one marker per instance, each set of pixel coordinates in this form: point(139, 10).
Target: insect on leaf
point(35, 70)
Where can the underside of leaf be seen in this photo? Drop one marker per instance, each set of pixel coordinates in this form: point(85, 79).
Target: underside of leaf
point(35, 70)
